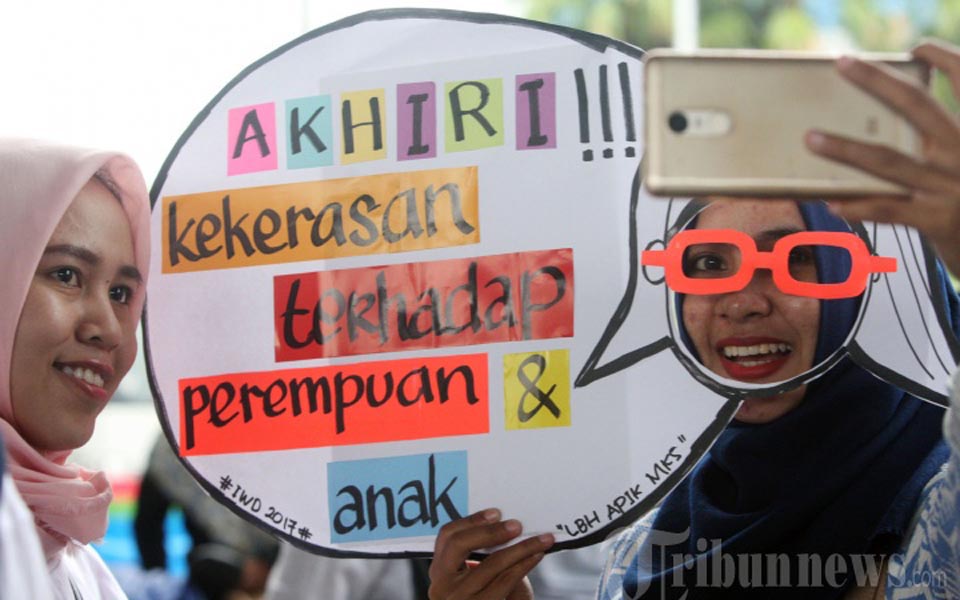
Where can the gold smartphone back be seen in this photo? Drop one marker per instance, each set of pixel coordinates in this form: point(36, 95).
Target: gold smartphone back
point(733, 122)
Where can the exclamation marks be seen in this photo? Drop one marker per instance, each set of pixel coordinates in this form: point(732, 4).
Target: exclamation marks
point(606, 119)
point(605, 111)
point(583, 103)
point(625, 89)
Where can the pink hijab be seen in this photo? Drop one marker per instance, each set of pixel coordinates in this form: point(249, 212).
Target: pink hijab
point(38, 181)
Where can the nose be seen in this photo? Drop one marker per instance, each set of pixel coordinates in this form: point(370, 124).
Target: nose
point(753, 301)
point(99, 325)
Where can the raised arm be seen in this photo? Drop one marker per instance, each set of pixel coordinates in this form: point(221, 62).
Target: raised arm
point(931, 204)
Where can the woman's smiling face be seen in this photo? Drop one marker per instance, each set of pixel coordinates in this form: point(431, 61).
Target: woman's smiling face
point(758, 334)
point(76, 337)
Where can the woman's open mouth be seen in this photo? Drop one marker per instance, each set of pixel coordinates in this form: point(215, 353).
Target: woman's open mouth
point(90, 378)
point(753, 358)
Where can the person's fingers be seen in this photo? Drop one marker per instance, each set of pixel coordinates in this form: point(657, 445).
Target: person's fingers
point(930, 201)
point(506, 559)
point(511, 584)
point(495, 576)
point(937, 216)
point(483, 517)
point(457, 543)
point(879, 210)
point(902, 95)
point(881, 161)
point(506, 564)
point(464, 543)
point(944, 57)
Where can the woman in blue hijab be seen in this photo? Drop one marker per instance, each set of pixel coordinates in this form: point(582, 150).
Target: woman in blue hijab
point(825, 476)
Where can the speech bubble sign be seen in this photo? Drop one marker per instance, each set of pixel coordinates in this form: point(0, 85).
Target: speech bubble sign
point(398, 281)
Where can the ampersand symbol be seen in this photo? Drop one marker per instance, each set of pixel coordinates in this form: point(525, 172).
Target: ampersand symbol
point(530, 388)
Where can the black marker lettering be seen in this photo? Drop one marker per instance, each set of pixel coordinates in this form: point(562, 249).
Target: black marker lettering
point(251, 122)
point(453, 193)
point(527, 306)
point(418, 147)
point(233, 230)
point(175, 240)
point(349, 126)
point(297, 132)
point(458, 113)
point(536, 137)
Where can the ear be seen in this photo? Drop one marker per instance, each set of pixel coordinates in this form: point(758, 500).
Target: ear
point(905, 334)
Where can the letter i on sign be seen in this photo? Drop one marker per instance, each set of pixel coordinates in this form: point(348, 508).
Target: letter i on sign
point(536, 103)
point(416, 120)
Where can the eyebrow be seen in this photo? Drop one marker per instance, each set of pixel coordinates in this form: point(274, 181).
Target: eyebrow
point(85, 255)
point(772, 235)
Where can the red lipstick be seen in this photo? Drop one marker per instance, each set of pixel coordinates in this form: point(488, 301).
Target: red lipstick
point(758, 366)
point(97, 392)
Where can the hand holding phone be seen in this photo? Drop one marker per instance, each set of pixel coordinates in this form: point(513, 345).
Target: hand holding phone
point(930, 201)
point(732, 123)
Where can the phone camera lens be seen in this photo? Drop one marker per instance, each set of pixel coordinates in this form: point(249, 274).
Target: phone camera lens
point(677, 122)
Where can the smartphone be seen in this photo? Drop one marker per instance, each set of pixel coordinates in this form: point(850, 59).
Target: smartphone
point(732, 123)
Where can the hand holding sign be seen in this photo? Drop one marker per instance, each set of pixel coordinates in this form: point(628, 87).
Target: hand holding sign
point(500, 575)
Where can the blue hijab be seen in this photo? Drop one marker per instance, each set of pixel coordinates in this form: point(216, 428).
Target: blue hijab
point(840, 475)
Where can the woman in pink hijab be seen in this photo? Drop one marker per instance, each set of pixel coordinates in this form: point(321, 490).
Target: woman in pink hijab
point(74, 224)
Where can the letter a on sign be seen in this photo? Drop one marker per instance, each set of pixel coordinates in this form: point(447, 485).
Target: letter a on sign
point(252, 139)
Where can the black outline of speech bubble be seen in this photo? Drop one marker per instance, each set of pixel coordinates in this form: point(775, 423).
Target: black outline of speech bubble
point(591, 41)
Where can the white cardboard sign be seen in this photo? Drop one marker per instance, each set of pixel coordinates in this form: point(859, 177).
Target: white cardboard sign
point(396, 281)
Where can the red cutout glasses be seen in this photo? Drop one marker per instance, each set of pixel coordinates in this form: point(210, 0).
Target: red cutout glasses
point(777, 261)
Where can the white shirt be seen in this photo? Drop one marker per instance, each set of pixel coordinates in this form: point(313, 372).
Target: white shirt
point(299, 575)
point(23, 571)
point(79, 572)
